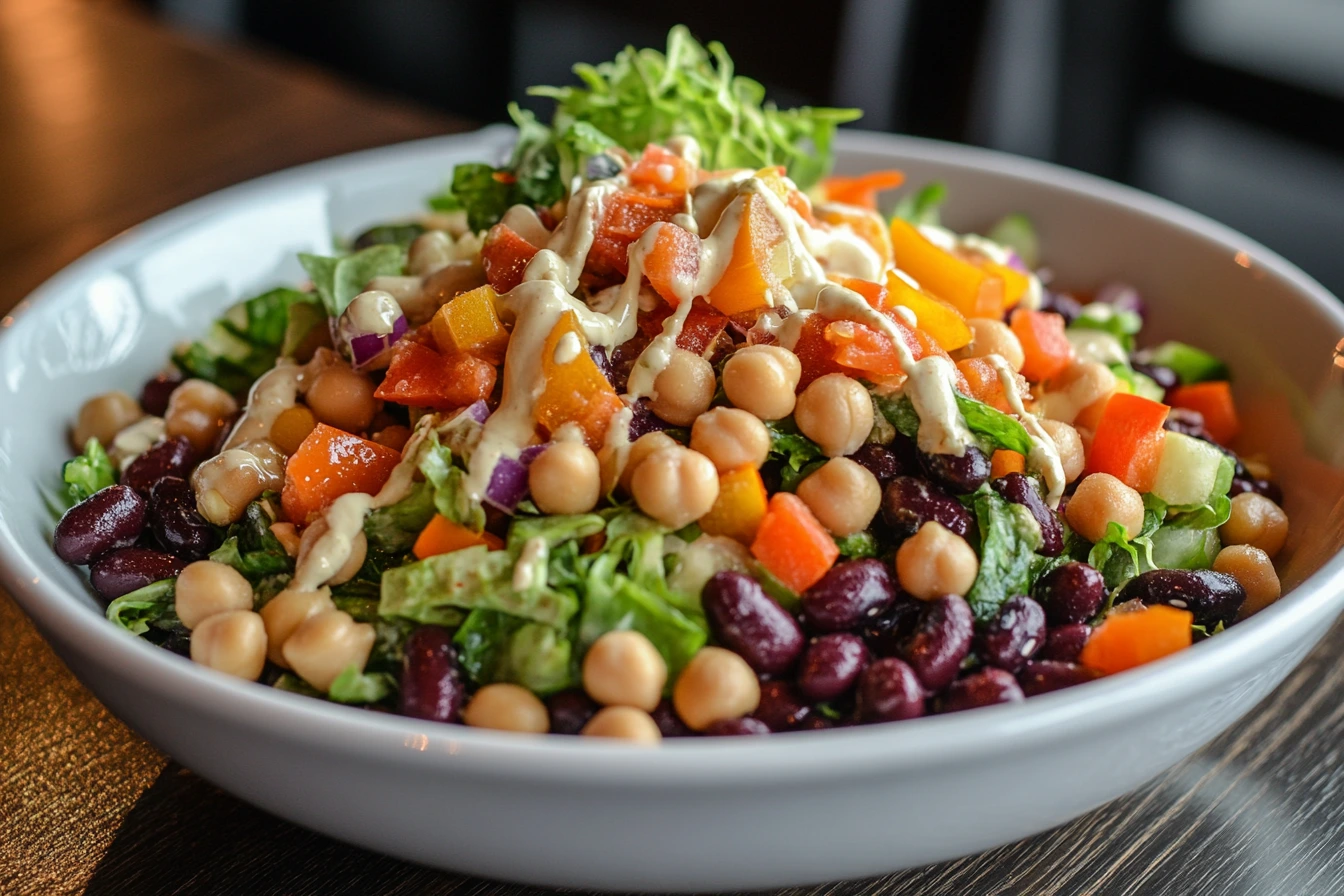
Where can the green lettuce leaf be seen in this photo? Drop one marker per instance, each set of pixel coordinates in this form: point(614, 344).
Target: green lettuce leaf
point(922, 206)
point(244, 343)
point(900, 413)
point(495, 646)
point(996, 428)
point(251, 547)
point(1191, 365)
point(358, 687)
point(438, 590)
point(798, 456)
point(339, 279)
point(553, 530)
point(87, 473)
point(860, 544)
point(1115, 556)
point(149, 606)
point(1121, 323)
point(402, 235)
point(1009, 537)
point(451, 497)
point(394, 529)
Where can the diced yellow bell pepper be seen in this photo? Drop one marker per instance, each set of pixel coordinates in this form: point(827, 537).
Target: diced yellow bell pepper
point(576, 390)
point(740, 507)
point(940, 320)
point(1014, 282)
point(470, 325)
point(971, 290)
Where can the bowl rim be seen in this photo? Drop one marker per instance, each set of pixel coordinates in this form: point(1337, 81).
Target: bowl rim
point(819, 754)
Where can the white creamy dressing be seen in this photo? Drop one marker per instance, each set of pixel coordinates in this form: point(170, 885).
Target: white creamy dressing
point(271, 395)
point(1044, 457)
point(1096, 346)
point(839, 249)
point(532, 555)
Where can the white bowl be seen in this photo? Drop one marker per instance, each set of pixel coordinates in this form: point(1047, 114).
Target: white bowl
point(698, 814)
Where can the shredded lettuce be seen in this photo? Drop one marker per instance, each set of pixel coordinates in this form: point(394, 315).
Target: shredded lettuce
point(87, 473)
point(358, 687)
point(251, 547)
point(860, 544)
point(244, 343)
point(493, 646)
point(393, 529)
point(798, 456)
point(390, 235)
point(438, 589)
point(1009, 537)
point(991, 428)
point(149, 606)
point(922, 206)
point(451, 497)
point(1141, 384)
point(1121, 323)
point(338, 279)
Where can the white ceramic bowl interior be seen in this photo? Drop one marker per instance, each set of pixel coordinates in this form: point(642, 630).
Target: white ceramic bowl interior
point(704, 814)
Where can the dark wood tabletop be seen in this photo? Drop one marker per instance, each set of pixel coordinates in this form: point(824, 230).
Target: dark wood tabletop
point(107, 118)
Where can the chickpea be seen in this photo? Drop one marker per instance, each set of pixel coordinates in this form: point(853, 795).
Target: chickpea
point(842, 495)
point(836, 412)
point(199, 411)
point(993, 337)
point(102, 417)
point(935, 562)
point(1257, 521)
point(675, 486)
point(716, 684)
point(1069, 445)
point(1255, 572)
point(226, 483)
point(624, 723)
point(640, 449)
point(566, 478)
point(395, 436)
point(286, 612)
point(325, 645)
point(429, 252)
point(1077, 388)
point(684, 388)
point(623, 668)
point(205, 588)
point(288, 536)
point(507, 707)
point(343, 398)
point(359, 551)
point(291, 427)
point(232, 642)
point(731, 438)
point(762, 379)
point(1100, 500)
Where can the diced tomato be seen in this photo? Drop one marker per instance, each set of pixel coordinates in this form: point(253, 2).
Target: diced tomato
point(702, 327)
point(421, 377)
point(674, 259)
point(627, 215)
point(862, 348)
point(662, 170)
point(815, 354)
point(505, 256)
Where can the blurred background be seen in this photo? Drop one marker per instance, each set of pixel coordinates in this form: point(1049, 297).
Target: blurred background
point(1231, 107)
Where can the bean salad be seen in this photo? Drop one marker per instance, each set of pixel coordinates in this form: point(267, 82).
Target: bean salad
point(660, 429)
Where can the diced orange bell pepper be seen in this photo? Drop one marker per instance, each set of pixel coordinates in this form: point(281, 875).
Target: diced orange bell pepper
point(815, 354)
point(1002, 462)
point(442, 536)
point(505, 256)
point(1126, 640)
point(983, 382)
point(759, 264)
point(740, 507)
point(662, 170)
point(331, 463)
point(972, 291)
point(792, 545)
point(940, 320)
point(421, 377)
point(863, 189)
point(1214, 402)
point(1128, 440)
point(1044, 345)
point(1014, 282)
point(627, 215)
point(674, 260)
point(470, 325)
point(576, 390)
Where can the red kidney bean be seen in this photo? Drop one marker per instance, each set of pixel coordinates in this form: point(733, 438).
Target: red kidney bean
point(736, 727)
point(156, 391)
point(669, 723)
point(880, 461)
point(889, 691)
point(1014, 635)
point(746, 620)
point(941, 641)
point(1065, 642)
point(1213, 597)
point(816, 722)
point(1163, 376)
point(123, 571)
point(959, 475)
point(176, 523)
point(885, 634)
point(432, 685)
point(908, 503)
point(1072, 592)
point(171, 457)
point(850, 593)
point(1270, 490)
point(1022, 490)
point(110, 519)
point(1043, 676)
point(1062, 303)
point(570, 710)
point(781, 707)
point(831, 665)
point(1187, 423)
point(983, 688)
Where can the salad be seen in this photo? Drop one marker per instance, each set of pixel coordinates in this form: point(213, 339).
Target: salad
point(659, 429)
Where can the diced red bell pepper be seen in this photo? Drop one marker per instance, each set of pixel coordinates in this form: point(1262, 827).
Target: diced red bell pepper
point(421, 377)
point(702, 327)
point(505, 256)
point(863, 189)
point(662, 170)
point(792, 545)
point(1128, 440)
point(815, 354)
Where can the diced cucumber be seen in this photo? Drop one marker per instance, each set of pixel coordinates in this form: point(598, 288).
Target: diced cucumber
point(1188, 471)
point(1140, 384)
point(1185, 548)
point(1192, 365)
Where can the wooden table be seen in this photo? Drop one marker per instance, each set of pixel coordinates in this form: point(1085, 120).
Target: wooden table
point(106, 119)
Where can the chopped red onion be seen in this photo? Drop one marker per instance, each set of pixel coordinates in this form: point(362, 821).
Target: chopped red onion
point(478, 410)
point(1016, 263)
point(368, 327)
point(508, 480)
